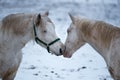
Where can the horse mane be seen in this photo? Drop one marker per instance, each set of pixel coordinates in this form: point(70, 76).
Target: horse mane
point(15, 23)
point(106, 32)
point(83, 25)
point(99, 30)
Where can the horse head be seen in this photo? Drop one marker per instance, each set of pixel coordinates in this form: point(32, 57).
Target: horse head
point(45, 35)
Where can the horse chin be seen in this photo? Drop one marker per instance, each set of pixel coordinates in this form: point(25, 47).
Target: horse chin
point(56, 49)
point(67, 55)
point(56, 53)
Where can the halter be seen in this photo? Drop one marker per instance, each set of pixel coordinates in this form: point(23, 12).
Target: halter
point(38, 41)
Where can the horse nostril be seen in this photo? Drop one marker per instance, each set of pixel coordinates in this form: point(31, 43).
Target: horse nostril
point(61, 51)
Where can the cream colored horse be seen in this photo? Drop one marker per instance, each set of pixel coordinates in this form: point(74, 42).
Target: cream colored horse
point(15, 31)
point(103, 37)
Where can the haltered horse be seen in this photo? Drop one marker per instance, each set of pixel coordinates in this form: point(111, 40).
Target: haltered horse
point(15, 31)
point(103, 37)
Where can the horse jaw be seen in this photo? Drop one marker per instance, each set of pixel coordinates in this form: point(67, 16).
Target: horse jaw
point(54, 48)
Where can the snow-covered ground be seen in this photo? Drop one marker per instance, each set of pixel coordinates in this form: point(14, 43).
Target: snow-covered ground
point(86, 63)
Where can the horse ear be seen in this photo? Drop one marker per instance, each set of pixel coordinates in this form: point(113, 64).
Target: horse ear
point(72, 18)
point(38, 19)
point(46, 13)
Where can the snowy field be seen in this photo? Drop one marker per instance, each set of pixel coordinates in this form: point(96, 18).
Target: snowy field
point(86, 63)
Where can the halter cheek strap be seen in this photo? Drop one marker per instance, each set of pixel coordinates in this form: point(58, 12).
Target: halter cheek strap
point(39, 41)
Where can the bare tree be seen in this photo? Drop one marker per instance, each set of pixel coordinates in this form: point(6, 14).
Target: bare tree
point(118, 2)
point(105, 9)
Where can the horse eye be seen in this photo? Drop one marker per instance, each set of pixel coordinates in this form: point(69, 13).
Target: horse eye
point(45, 31)
point(68, 30)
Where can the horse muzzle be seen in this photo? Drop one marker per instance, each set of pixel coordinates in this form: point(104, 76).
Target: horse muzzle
point(64, 52)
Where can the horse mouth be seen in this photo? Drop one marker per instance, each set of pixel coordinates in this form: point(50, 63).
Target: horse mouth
point(67, 55)
point(54, 53)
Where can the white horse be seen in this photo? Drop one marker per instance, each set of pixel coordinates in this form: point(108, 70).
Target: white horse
point(103, 37)
point(15, 31)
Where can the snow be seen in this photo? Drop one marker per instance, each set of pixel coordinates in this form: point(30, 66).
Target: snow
point(86, 63)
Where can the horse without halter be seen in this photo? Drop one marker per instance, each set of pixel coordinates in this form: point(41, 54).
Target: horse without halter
point(103, 37)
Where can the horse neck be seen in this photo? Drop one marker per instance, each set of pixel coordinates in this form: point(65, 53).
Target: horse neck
point(98, 39)
point(14, 43)
point(16, 36)
point(96, 44)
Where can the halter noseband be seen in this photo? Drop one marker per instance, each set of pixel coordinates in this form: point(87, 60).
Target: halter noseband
point(38, 41)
